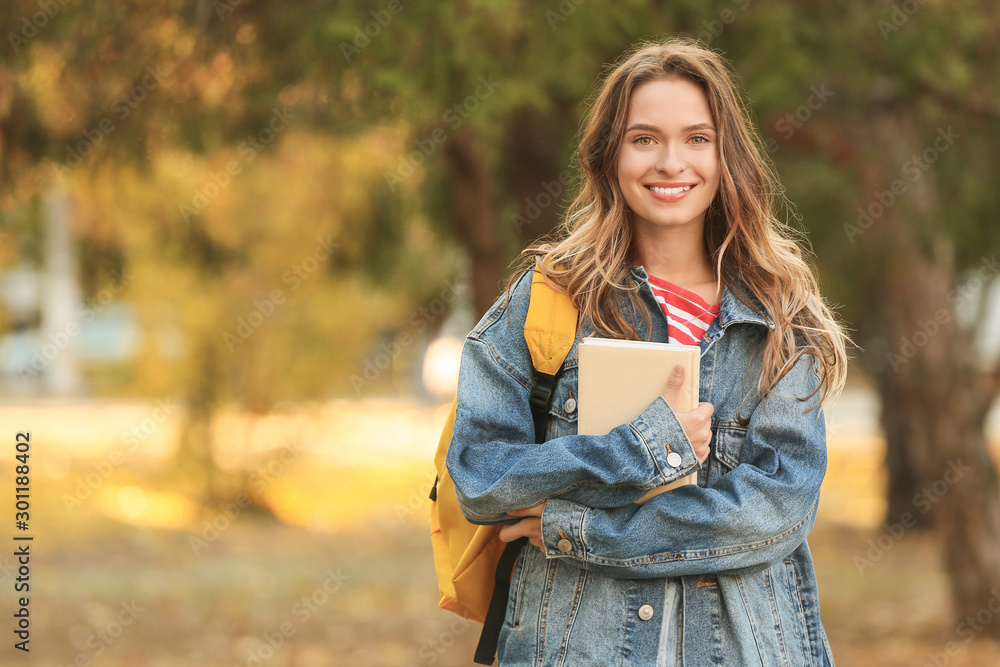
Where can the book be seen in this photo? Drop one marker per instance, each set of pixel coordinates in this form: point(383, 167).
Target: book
point(618, 379)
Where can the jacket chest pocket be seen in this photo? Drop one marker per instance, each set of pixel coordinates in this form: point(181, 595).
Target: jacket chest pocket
point(727, 446)
point(563, 410)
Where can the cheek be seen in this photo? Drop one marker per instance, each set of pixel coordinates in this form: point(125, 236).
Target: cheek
point(716, 167)
point(629, 168)
point(710, 170)
point(716, 178)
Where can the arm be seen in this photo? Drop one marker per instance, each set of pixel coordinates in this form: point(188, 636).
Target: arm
point(754, 515)
point(493, 458)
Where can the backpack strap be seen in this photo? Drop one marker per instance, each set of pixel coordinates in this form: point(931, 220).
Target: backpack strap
point(486, 650)
point(549, 331)
point(550, 327)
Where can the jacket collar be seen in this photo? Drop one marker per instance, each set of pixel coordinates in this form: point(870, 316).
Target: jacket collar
point(731, 309)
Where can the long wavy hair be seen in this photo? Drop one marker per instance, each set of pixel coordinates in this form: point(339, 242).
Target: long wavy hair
point(591, 255)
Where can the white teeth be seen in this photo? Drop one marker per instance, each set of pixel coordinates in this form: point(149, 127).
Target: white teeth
point(670, 191)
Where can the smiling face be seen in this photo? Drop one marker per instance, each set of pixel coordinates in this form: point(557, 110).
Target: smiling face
point(668, 164)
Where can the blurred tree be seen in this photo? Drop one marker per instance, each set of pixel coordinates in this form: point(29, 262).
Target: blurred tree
point(879, 128)
point(204, 168)
point(493, 94)
point(875, 126)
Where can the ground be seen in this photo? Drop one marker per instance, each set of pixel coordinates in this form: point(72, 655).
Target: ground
point(338, 570)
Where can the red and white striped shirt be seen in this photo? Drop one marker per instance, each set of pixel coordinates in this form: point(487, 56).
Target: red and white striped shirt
point(688, 315)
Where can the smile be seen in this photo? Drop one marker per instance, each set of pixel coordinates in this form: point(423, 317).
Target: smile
point(670, 195)
point(669, 191)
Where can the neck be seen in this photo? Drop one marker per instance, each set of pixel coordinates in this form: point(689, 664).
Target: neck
point(676, 255)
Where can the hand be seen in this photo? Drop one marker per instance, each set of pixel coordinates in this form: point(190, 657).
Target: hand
point(697, 423)
point(530, 526)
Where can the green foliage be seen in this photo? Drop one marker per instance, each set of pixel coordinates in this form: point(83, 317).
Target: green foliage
point(367, 82)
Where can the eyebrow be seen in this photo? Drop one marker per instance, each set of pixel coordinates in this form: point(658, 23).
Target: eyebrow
point(652, 128)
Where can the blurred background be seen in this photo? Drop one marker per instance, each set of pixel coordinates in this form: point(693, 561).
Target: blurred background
point(241, 242)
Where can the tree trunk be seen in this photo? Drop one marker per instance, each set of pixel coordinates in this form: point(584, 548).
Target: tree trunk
point(194, 460)
point(934, 396)
point(934, 415)
point(539, 181)
point(475, 217)
point(915, 380)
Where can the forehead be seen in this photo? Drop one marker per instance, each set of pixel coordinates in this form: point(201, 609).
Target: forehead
point(668, 102)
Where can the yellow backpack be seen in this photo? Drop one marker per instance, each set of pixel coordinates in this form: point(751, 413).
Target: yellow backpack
point(473, 565)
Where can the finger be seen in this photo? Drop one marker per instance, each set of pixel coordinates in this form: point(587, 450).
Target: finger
point(511, 532)
point(534, 511)
point(674, 385)
point(529, 527)
point(529, 511)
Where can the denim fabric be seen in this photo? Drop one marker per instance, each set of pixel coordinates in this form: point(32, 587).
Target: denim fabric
point(714, 574)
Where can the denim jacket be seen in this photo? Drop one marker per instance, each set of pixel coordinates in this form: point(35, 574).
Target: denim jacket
point(717, 573)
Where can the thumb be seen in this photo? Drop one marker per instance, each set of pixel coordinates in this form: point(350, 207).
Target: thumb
point(674, 385)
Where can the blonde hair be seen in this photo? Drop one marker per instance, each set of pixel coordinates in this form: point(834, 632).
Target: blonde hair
point(593, 259)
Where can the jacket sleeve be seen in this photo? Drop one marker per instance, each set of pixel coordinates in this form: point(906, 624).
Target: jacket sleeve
point(493, 459)
point(754, 515)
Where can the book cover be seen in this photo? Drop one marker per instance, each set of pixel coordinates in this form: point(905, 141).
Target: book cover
point(618, 379)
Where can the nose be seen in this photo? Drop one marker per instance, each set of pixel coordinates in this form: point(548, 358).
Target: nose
point(670, 160)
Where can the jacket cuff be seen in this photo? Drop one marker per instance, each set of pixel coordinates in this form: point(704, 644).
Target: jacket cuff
point(659, 429)
point(562, 529)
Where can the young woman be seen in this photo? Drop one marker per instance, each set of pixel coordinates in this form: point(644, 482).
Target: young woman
point(672, 238)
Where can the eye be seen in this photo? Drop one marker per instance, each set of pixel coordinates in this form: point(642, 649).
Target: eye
point(704, 139)
point(643, 138)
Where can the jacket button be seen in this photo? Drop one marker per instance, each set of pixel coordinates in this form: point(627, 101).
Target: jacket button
point(673, 459)
point(564, 545)
point(645, 612)
point(570, 405)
